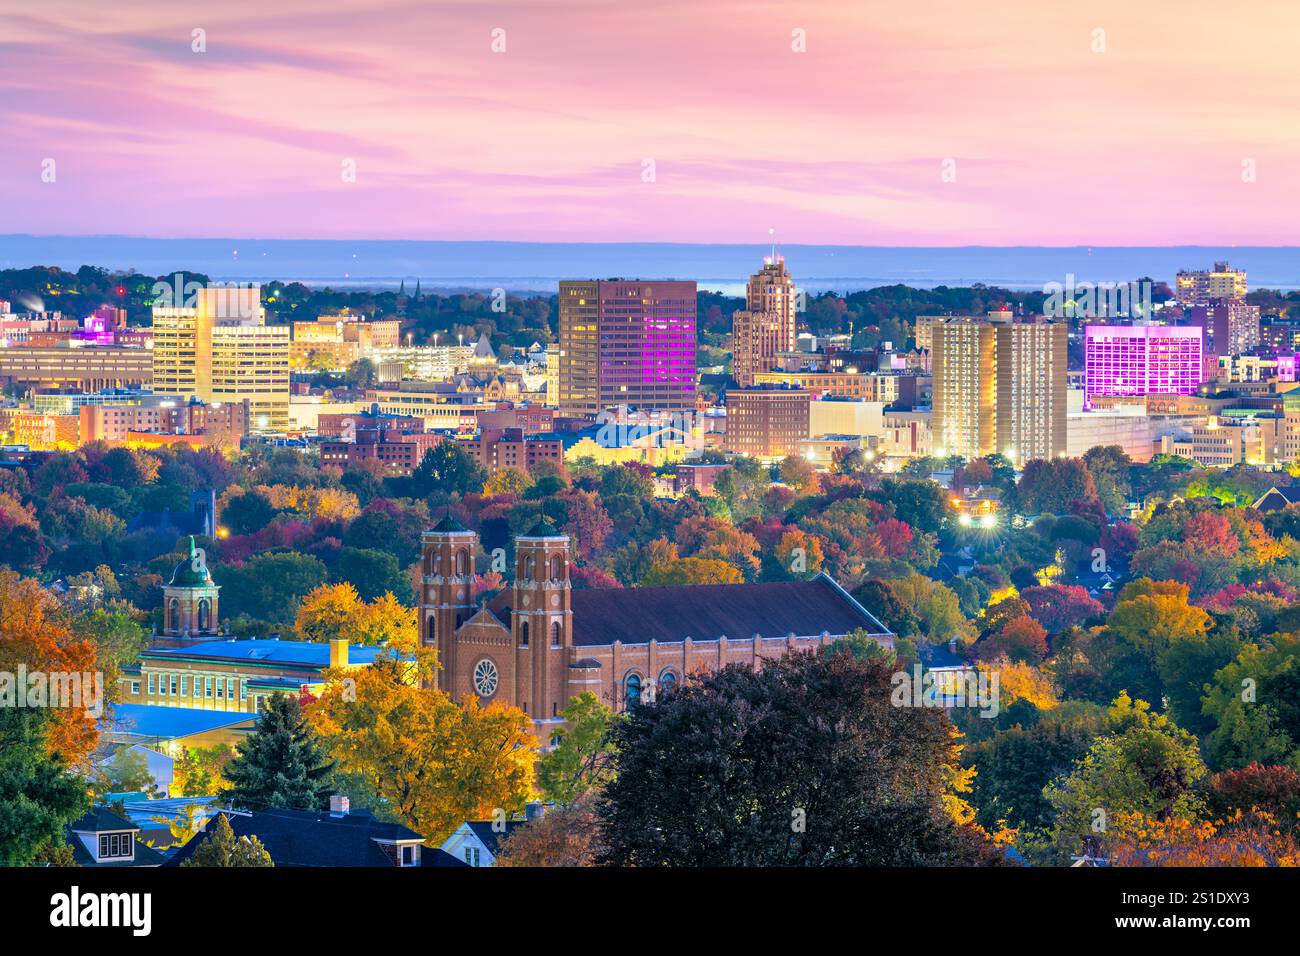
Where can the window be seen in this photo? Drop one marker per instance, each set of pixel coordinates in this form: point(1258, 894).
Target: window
point(433, 630)
point(410, 855)
point(174, 685)
point(462, 561)
point(135, 687)
point(198, 686)
point(555, 634)
point(116, 845)
point(557, 568)
point(207, 687)
point(185, 686)
point(153, 684)
point(667, 681)
point(485, 678)
point(471, 855)
point(523, 634)
point(205, 613)
point(221, 686)
point(230, 688)
point(632, 690)
point(174, 614)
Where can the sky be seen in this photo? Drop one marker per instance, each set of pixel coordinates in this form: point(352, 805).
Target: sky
point(914, 122)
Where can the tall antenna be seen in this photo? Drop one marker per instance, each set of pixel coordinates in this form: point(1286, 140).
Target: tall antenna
point(771, 231)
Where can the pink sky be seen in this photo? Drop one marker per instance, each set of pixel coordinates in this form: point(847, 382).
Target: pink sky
point(1053, 144)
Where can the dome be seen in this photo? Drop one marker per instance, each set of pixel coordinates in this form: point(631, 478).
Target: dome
point(184, 575)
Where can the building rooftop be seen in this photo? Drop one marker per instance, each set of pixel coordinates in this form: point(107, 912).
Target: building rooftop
point(169, 723)
point(311, 654)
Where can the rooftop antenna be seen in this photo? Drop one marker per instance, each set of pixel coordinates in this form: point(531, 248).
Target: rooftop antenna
point(771, 231)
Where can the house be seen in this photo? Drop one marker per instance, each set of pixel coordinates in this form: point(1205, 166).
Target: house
point(336, 838)
point(1275, 499)
point(476, 842)
point(103, 837)
point(949, 669)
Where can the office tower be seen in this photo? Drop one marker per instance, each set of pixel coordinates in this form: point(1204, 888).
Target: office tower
point(766, 326)
point(626, 342)
point(1221, 282)
point(1031, 367)
point(767, 421)
point(999, 386)
point(1142, 359)
point(219, 349)
point(1231, 326)
point(963, 354)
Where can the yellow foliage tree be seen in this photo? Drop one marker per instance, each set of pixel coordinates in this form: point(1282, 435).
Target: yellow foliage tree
point(507, 481)
point(437, 763)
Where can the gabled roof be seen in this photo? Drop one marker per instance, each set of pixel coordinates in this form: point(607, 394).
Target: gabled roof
point(310, 838)
point(706, 612)
point(1275, 499)
point(101, 819)
point(489, 837)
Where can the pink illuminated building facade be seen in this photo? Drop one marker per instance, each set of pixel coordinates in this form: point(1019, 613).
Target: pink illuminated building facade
point(1142, 359)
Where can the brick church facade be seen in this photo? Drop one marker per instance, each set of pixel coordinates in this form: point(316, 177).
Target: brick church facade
point(540, 642)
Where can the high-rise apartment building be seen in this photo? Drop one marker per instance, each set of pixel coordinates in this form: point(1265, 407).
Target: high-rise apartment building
point(1031, 408)
point(999, 386)
point(220, 349)
point(1221, 282)
point(1142, 359)
point(626, 342)
point(765, 328)
point(1231, 326)
point(963, 353)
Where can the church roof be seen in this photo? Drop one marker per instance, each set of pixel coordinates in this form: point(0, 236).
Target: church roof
point(705, 612)
point(483, 348)
point(543, 529)
point(448, 524)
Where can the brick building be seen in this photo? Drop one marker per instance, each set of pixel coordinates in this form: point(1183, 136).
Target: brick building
point(540, 642)
point(766, 421)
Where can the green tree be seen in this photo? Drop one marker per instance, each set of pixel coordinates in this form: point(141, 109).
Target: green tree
point(247, 513)
point(373, 573)
point(281, 764)
point(269, 586)
point(446, 470)
point(38, 796)
point(221, 848)
point(1146, 764)
point(582, 760)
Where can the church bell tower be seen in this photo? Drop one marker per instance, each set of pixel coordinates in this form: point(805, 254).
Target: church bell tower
point(447, 590)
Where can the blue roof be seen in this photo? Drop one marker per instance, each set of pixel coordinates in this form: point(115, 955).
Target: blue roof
point(268, 650)
point(168, 723)
point(141, 812)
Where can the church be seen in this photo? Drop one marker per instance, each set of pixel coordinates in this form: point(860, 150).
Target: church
point(541, 642)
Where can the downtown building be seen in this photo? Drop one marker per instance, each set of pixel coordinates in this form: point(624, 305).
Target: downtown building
point(626, 342)
point(220, 349)
point(999, 387)
point(1142, 360)
point(1200, 287)
point(765, 328)
point(1232, 327)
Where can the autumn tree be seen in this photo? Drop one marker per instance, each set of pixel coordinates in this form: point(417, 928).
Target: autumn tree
point(567, 836)
point(434, 762)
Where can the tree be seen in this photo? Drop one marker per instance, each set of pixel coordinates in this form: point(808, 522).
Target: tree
point(1021, 640)
point(372, 573)
point(1051, 486)
point(433, 762)
point(38, 796)
point(582, 760)
point(1109, 466)
point(1059, 606)
point(247, 513)
point(507, 481)
point(220, 848)
point(269, 586)
point(568, 836)
point(1145, 765)
point(280, 764)
point(335, 612)
point(804, 762)
point(1254, 704)
point(692, 571)
point(127, 771)
point(446, 469)
point(200, 771)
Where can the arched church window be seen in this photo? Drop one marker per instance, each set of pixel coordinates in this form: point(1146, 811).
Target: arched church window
point(433, 630)
point(462, 562)
point(523, 634)
point(205, 614)
point(555, 634)
point(632, 690)
point(557, 568)
point(174, 614)
point(667, 681)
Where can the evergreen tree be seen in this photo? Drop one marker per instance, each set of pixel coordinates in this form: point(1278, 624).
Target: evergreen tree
point(37, 794)
point(281, 764)
point(220, 848)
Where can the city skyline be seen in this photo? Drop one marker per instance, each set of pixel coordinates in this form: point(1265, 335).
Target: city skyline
point(943, 126)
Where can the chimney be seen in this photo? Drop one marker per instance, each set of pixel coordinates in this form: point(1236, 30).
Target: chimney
point(338, 652)
point(339, 805)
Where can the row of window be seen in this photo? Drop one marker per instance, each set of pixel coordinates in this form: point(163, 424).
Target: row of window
point(179, 685)
point(632, 686)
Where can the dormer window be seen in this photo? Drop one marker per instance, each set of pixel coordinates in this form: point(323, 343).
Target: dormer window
point(410, 856)
point(116, 846)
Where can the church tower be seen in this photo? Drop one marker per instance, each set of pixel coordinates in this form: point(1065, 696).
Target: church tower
point(542, 619)
point(190, 599)
point(447, 597)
